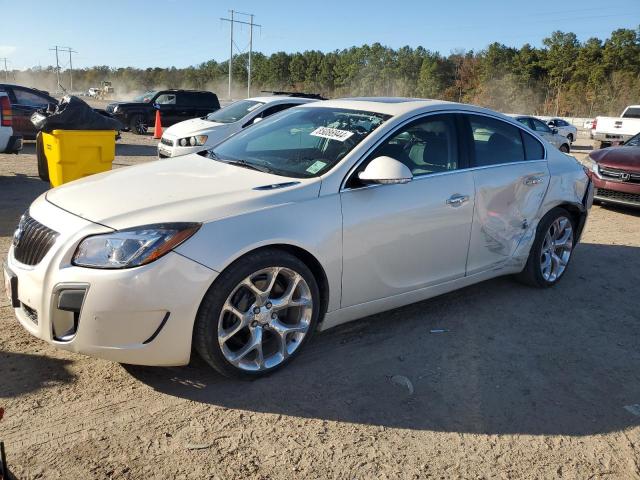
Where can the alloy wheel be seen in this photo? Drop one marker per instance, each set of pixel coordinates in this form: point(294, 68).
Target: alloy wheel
point(265, 318)
point(556, 249)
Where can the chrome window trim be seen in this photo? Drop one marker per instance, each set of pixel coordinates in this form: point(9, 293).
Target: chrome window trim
point(370, 150)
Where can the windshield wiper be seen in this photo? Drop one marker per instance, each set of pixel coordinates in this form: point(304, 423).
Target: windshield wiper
point(240, 163)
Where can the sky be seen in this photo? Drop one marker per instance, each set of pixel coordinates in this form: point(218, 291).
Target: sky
point(148, 33)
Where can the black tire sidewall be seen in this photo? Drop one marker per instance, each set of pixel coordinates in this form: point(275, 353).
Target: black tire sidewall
point(206, 325)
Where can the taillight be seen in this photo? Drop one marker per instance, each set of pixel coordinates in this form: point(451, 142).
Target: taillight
point(594, 124)
point(5, 107)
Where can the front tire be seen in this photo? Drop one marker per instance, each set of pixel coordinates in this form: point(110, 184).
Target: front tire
point(564, 148)
point(138, 124)
point(551, 250)
point(257, 315)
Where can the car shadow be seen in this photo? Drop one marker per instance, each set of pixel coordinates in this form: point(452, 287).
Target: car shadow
point(22, 373)
point(132, 150)
point(581, 148)
point(494, 358)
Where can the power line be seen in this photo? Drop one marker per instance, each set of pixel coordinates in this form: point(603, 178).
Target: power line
point(68, 50)
point(233, 21)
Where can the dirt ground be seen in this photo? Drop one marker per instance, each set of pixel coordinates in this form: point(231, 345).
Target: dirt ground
point(522, 383)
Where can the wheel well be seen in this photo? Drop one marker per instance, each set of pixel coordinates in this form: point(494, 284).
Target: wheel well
point(576, 214)
point(314, 265)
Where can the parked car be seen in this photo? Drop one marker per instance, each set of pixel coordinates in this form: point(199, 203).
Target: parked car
point(199, 133)
point(564, 128)
point(610, 130)
point(174, 105)
point(615, 172)
point(324, 213)
point(551, 135)
point(9, 143)
point(25, 101)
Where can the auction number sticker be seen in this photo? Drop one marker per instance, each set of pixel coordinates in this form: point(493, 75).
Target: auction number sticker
point(331, 133)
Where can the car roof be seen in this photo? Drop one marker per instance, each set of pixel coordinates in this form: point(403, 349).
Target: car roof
point(393, 106)
point(282, 99)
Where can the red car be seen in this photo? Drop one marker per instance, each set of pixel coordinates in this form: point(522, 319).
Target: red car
point(615, 172)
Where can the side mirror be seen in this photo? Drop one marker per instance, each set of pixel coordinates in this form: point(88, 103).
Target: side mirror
point(385, 170)
point(554, 131)
point(256, 120)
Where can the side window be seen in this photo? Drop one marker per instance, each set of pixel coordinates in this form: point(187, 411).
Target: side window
point(539, 126)
point(166, 99)
point(526, 122)
point(24, 97)
point(495, 141)
point(426, 146)
point(533, 149)
point(275, 109)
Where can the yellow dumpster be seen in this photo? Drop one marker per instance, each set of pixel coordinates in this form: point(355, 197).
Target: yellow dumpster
point(73, 154)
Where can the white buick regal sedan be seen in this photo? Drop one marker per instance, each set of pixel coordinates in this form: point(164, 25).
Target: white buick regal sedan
point(316, 216)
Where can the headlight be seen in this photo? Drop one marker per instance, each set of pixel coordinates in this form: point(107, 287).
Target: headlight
point(115, 109)
point(195, 141)
point(132, 247)
point(590, 164)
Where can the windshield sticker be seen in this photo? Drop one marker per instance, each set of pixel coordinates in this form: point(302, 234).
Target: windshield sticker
point(331, 134)
point(317, 166)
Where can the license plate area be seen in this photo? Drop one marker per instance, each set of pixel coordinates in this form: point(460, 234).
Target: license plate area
point(11, 287)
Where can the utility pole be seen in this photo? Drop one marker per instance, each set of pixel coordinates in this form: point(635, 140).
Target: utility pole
point(232, 20)
point(58, 49)
point(6, 72)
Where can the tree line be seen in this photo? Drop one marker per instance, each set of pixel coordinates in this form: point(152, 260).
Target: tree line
point(564, 77)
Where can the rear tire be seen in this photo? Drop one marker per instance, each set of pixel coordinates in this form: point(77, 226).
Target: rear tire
point(257, 315)
point(551, 251)
point(138, 124)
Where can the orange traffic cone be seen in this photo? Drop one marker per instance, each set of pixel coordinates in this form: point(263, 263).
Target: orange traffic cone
point(157, 130)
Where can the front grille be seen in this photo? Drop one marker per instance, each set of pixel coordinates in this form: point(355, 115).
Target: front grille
point(618, 175)
point(166, 141)
point(613, 195)
point(32, 240)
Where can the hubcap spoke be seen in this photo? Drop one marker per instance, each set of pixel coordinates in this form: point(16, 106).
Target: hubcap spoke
point(272, 309)
point(556, 249)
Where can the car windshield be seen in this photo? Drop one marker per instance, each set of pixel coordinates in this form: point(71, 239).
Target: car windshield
point(234, 112)
point(145, 97)
point(633, 141)
point(300, 142)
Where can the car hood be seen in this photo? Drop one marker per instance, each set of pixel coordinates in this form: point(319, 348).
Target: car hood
point(627, 158)
point(195, 126)
point(191, 188)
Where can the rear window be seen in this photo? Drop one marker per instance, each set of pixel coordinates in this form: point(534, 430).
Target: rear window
point(631, 113)
point(533, 149)
point(495, 142)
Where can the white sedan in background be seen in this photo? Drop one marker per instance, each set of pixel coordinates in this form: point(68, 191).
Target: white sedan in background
point(197, 134)
point(564, 128)
point(323, 214)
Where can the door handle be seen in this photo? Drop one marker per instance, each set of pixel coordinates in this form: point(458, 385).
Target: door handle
point(530, 181)
point(457, 200)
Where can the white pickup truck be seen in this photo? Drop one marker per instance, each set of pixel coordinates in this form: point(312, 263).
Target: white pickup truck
point(9, 143)
point(610, 130)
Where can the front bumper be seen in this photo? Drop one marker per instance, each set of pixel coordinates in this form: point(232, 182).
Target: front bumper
point(620, 193)
point(170, 151)
point(142, 315)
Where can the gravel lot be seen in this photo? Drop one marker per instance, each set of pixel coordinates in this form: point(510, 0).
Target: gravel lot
point(523, 383)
